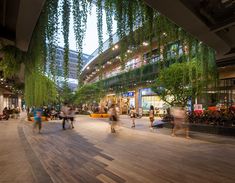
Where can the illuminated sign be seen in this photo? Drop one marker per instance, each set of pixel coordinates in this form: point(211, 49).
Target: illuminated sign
point(128, 94)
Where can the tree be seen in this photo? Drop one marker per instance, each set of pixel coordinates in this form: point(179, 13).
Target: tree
point(179, 82)
point(89, 93)
point(66, 94)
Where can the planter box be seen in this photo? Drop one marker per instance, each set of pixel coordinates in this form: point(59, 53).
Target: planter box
point(219, 130)
point(99, 115)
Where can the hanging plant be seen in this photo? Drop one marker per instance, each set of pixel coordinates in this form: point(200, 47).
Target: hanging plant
point(52, 30)
point(80, 10)
point(11, 61)
point(109, 20)
point(99, 15)
point(65, 24)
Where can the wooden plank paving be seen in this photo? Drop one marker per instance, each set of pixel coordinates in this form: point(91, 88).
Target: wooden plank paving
point(90, 153)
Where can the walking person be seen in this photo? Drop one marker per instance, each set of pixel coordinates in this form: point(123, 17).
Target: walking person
point(64, 115)
point(71, 115)
point(113, 118)
point(151, 115)
point(133, 116)
point(37, 119)
point(180, 121)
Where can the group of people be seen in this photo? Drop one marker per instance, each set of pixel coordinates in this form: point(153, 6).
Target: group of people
point(177, 116)
point(67, 114)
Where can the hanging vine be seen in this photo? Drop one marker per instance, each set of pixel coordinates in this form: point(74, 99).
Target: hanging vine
point(52, 30)
point(80, 10)
point(65, 24)
point(99, 15)
point(109, 20)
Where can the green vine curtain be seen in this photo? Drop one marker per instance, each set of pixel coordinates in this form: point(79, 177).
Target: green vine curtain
point(136, 23)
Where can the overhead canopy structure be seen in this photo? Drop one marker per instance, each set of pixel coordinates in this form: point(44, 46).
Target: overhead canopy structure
point(211, 21)
point(17, 21)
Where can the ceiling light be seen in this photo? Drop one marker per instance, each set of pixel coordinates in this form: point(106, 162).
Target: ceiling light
point(145, 44)
point(88, 68)
point(164, 34)
point(116, 46)
point(129, 51)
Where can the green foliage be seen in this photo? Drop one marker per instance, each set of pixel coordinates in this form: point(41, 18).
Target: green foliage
point(89, 93)
point(180, 82)
point(39, 90)
point(65, 24)
point(11, 62)
point(80, 11)
point(66, 94)
point(109, 20)
point(52, 13)
point(99, 9)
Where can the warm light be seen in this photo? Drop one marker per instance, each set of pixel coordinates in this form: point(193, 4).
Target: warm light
point(103, 66)
point(129, 51)
point(1, 79)
point(164, 34)
point(88, 68)
point(115, 47)
point(117, 57)
point(145, 43)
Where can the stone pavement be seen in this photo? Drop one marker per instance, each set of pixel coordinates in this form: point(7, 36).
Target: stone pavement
point(90, 153)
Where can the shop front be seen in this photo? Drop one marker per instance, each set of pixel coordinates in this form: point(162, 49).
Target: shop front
point(147, 98)
point(127, 100)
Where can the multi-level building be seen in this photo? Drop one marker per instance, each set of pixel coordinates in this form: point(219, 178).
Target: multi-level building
point(73, 62)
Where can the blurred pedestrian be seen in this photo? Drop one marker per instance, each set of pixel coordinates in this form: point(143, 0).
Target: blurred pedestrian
point(64, 114)
point(37, 119)
point(71, 115)
point(151, 115)
point(133, 116)
point(113, 118)
point(180, 121)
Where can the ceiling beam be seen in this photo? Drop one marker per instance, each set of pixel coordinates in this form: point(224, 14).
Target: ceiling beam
point(177, 12)
point(29, 12)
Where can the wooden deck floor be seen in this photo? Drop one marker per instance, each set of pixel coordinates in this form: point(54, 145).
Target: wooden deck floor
point(90, 153)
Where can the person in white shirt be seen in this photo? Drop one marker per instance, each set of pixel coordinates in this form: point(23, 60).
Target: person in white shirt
point(64, 114)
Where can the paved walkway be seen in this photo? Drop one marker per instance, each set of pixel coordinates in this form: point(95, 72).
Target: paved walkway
point(90, 153)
